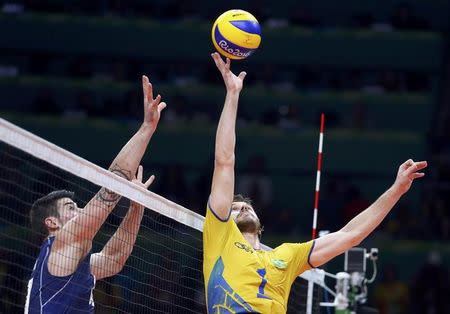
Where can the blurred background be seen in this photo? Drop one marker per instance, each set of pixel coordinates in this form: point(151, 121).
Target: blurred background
point(70, 72)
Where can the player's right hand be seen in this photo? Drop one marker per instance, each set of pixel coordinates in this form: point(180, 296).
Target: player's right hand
point(138, 181)
point(233, 83)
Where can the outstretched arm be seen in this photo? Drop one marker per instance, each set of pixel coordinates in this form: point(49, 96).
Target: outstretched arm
point(86, 224)
point(336, 243)
point(222, 189)
point(115, 253)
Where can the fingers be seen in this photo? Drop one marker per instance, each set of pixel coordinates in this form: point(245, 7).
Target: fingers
point(421, 165)
point(242, 75)
point(149, 181)
point(410, 169)
point(155, 102)
point(415, 166)
point(218, 61)
point(417, 175)
point(228, 64)
point(406, 164)
point(161, 106)
point(216, 58)
point(139, 173)
point(411, 163)
point(147, 88)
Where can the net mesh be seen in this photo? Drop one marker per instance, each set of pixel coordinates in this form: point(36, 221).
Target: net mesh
point(297, 299)
point(162, 275)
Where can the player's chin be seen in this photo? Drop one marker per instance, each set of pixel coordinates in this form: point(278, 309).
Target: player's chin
point(247, 224)
point(244, 219)
point(250, 219)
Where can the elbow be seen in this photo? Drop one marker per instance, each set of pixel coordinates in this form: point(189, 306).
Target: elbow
point(352, 239)
point(355, 240)
point(118, 263)
point(118, 266)
point(116, 270)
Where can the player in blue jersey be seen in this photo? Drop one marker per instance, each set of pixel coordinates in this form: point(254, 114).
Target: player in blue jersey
point(65, 271)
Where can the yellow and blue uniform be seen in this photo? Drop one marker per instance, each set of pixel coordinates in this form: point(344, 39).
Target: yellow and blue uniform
point(240, 279)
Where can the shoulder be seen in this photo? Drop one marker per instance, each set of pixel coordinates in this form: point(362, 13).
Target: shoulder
point(295, 246)
point(296, 255)
point(213, 223)
point(60, 241)
point(217, 233)
point(295, 249)
point(212, 214)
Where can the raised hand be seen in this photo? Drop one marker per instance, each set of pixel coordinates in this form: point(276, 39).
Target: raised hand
point(138, 181)
point(152, 106)
point(407, 173)
point(232, 82)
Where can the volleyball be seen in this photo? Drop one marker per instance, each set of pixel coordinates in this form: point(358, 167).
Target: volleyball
point(236, 34)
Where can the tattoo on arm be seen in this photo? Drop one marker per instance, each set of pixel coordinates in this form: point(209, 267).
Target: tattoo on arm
point(124, 173)
point(107, 195)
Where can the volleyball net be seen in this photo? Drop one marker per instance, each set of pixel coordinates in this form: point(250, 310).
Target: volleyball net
point(164, 271)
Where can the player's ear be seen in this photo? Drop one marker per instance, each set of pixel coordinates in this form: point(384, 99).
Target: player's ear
point(52, 223)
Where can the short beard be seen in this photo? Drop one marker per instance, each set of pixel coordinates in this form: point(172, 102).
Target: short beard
point(248, 226)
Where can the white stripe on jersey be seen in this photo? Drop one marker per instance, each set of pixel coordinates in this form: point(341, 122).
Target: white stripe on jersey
point(27, 304)
point(91, 300)
point(30, 285)
point(58, 291)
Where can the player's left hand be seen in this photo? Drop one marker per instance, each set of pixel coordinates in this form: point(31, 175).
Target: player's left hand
point(152, 106)
point(407, 173)
point(138, 181)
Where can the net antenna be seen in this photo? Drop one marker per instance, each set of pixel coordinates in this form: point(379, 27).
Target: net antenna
point(319, 170)
point(316, 205)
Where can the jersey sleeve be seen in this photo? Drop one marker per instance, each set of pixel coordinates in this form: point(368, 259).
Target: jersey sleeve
point(215, 233)
point(298, 254)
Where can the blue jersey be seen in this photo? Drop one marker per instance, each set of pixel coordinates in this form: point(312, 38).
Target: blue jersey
point(52, 294)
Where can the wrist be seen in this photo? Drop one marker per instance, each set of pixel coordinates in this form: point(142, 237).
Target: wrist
point(136, 206)
point(395, 191)
point(147, 129)
point(232, 96)
point(233, 92)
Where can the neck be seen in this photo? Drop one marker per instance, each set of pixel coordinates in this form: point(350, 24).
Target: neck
point(253, 239)
point(53, 233)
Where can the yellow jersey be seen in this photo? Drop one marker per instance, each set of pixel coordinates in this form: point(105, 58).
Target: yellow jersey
point(240, 279)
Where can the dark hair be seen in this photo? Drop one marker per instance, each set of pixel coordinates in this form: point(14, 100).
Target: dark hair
point(241, 198)
point(45, 207)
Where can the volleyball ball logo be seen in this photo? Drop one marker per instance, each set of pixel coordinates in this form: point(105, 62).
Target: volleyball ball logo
point(236, 34)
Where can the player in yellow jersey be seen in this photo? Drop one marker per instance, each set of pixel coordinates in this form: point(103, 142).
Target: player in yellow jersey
point(239, 276)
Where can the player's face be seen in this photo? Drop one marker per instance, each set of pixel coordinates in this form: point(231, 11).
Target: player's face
point(67, 210)
point(245, 217)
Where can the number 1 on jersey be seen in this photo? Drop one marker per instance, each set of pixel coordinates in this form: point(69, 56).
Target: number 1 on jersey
point(262, 273)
